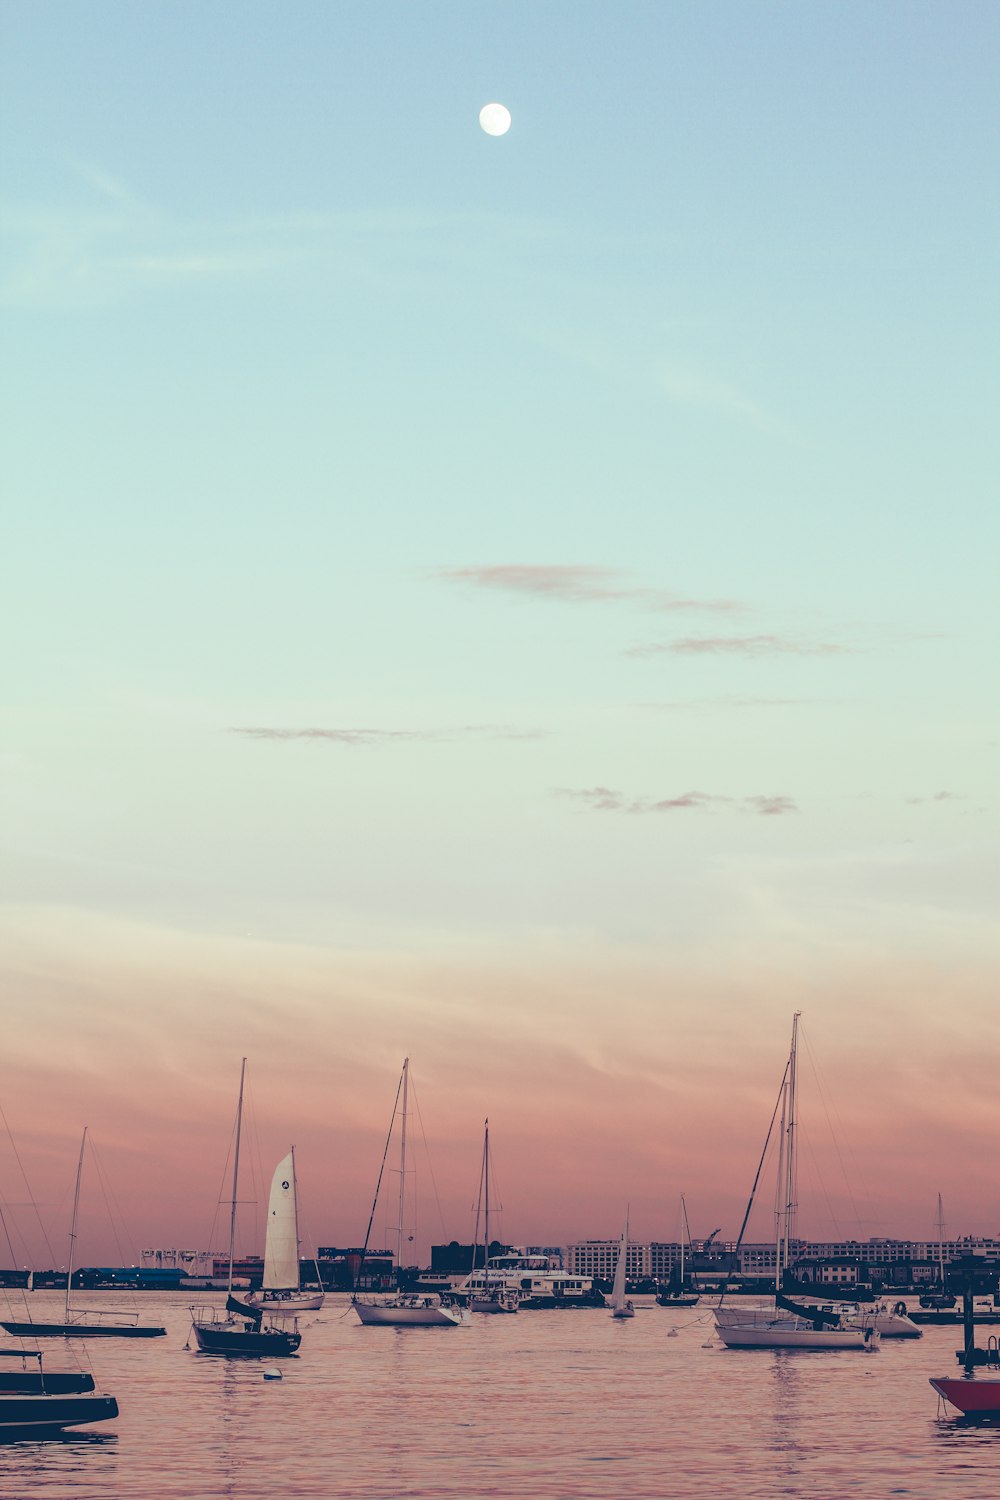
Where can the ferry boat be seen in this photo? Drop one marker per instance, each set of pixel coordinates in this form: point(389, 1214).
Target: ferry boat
point(533, 1280)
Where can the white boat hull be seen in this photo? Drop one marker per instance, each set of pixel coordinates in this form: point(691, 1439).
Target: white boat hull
point(739, 1329)
point(419, 1314)
point(623, 1312)
point(895, 1326)
point(493, 1304)
point(298, 1302)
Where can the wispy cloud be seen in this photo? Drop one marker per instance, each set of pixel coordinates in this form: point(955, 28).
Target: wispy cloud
point(387, 736)
point(727, 700)
point(771, 807)
point(607, 799)
point(578, 584)
point(693, 387)
point(741, 645)
point(103, 182)
point(938, 797)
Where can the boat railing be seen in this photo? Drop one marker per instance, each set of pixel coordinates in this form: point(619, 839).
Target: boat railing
point(88, 1315)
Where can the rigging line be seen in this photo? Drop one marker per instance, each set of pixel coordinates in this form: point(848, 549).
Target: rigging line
point(107, 1195)
point(427, 1156)
point(223, 1197)
point(835, 1136)
point(385, 1154)
point(831, 1211)
point(27, 1185)
point(760, 1167)
point(255, 1164)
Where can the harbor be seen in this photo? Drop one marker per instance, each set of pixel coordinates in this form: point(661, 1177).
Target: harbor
point(574, 1405)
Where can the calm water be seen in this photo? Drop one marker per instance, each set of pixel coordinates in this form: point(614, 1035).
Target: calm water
point(542, 1405)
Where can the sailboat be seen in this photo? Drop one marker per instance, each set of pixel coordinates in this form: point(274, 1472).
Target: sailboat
point(33, 1403)
point(281, 1292)
point(788, 1325)
point(493, 1296)
point(82, 1323)
point(239, 1328)
point(404, 1309)
point(674, 1294)
point(621, 1307)
point(940, 1299)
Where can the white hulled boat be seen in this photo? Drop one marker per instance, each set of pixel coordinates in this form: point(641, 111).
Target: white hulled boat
point(402, 1309)
point(281, 1291)
point(534, 1280)
point(789, 1324)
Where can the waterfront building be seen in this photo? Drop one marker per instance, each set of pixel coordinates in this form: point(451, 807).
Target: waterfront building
point(187, 1262)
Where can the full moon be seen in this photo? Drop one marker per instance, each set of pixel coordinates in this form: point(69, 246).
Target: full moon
point(495, 119)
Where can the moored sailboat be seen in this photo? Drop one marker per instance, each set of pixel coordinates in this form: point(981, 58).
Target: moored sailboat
point(403, 1309)
point(621, 1306)
point(493, 1296)
point(82, 1323)
point(676, 1292)
point(281, 1291)
point(787, 1324)
point(34, 1403)
point(239, 1328)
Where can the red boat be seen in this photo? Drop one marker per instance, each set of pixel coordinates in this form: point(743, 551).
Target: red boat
point(974, 1398)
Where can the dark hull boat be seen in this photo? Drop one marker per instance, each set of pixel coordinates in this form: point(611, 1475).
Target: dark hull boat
point(238, 1339)
point(22, 1415)
point(242, 1332)
point(82, 1330)
point(80, 1323)
point(240, 1329)
point(33, 1401)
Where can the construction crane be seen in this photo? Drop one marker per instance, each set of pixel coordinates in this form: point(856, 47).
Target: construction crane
point(707, 1243)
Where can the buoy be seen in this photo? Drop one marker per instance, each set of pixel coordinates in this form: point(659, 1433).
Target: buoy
point(272, 1374)
point(672, 1334)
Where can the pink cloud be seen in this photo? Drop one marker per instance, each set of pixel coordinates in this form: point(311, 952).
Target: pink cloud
point(772, 807)
point(606, 799)
point(739, 645)
point(578, 584)
point(383, 736)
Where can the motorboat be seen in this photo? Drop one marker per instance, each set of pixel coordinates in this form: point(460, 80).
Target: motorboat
point(535, 1281)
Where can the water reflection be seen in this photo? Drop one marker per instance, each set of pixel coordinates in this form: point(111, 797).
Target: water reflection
point(785, 1415)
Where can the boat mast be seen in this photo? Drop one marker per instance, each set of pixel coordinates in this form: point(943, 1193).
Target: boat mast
point(236, 1178)
point(684, 1232)
point(402, 1161)
point(72, 1227)
point(940, 1230)
point(486, 1219)
point(791, 1205)
point(780, 1187)
point(295, 1205)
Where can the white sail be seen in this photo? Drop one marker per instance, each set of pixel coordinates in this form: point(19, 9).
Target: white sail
point(281, 1247)
point(621, 1307)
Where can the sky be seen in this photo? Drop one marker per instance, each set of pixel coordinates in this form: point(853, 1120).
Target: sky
point(524, 603)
